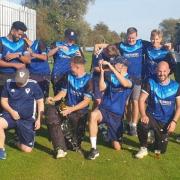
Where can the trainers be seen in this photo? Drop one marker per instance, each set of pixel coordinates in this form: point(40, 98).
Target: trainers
point(133, 130)
point(142, 152)
point(178, 139)
point(2, 154)
point(60, 153)
point(93, 154)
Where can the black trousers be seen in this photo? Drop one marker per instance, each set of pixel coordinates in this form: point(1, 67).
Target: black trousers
point(63, 135)
point(160, 132)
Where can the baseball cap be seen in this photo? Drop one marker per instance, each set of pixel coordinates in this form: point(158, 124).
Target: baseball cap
point(22, 75)
point(121, 60)
point(70, 34)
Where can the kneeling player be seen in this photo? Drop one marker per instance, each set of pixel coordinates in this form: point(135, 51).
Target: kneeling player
point(162, 110)
point(19, 98)
point(116, 86)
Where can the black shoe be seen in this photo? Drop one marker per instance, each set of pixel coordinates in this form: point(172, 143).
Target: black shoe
point(93, 154)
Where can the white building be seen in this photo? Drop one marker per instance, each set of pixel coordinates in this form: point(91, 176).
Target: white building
point(10, 12)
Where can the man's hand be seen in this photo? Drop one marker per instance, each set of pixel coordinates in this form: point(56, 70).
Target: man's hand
point(67, 111)
point(11, 56)
point(65, 48)
point(50, 100)
point(37, 124)
point(145, 119)
point(171, 127)
point(15, 115)
point(18, 65)
point(168, 46)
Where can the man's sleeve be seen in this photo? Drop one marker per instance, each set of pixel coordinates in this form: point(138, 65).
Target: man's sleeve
point(38, 94)
point(4, 92)
point(88, 89)
point(178, 93)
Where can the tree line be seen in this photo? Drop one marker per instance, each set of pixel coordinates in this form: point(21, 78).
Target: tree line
point(54, 16)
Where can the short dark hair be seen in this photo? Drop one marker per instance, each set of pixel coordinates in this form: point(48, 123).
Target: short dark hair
point(78, 60)
point(18, 25)
point(112, 50)
point(131, 30)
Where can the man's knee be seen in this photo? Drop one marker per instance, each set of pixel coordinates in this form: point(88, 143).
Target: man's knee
point(94, 117)
point(25, 148)
point(52, 115)
point(116, 145)
point(3, 123)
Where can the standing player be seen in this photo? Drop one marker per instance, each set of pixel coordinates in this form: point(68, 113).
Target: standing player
point(156, 53)
point(13, 52)
point(116, 86)
point(19, 98)
point(39, 67)
point(62, 52)
point(162, 111)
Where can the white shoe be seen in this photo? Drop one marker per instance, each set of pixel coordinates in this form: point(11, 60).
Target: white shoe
point(178, 139)
point(61, 153)
point(141, 153)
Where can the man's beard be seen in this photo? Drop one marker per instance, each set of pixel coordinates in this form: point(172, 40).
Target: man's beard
point(14, 38)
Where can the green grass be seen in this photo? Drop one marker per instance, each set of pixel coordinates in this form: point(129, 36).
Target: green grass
point(110, 165)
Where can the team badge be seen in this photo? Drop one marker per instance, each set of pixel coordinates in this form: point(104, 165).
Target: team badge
point(21, 74)
point(27, 90)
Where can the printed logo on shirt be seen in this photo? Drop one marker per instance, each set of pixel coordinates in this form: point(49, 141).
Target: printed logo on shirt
point(21, 74)
point(12, 90)
point(27, 90)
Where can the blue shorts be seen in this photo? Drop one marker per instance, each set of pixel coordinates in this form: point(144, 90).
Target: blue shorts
point(24, 129)
point(114, 124)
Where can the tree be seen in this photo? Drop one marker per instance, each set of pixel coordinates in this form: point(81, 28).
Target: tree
point(168, 28)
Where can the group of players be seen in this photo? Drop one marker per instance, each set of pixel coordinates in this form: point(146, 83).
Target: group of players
point(129, 77)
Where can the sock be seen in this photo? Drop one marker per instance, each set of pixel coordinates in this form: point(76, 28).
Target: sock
point(93, 142)
point(134, 124)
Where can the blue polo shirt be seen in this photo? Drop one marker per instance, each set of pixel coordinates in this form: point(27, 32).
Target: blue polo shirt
point(8, 46)
point(134, 54)
point(115, 94)
point(77, 88)
point(38, 66)
point(22, 99)
point(152, 57)
point(162, 99)
point(62, 59)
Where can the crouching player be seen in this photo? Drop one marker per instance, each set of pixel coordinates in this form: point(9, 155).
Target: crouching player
point(76, 89)
point(117, 87)
point(162, 112)
point(19, 98)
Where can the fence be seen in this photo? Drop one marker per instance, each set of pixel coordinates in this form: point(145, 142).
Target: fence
point(10, 12)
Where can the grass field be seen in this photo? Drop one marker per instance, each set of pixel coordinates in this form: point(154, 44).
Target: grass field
point(110, 165)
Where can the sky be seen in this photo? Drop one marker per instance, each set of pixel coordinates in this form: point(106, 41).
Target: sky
point(145, 15)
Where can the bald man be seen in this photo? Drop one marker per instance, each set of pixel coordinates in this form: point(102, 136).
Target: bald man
point(161, 112)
